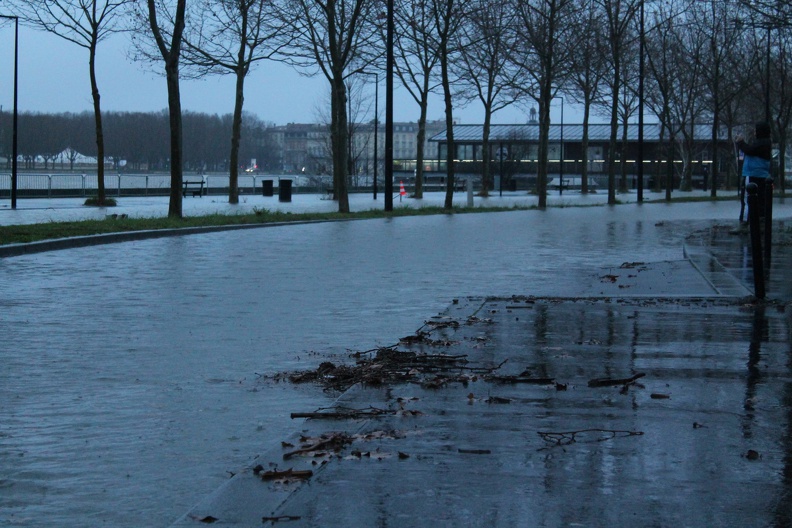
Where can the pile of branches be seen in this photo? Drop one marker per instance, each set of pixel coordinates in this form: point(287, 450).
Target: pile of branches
point(386, 366)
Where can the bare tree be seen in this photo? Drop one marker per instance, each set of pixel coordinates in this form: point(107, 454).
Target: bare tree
point(619, 16)
point(337, 38)
point(587, 71)
point(487, 42)
point(415, 62)
point(545, 28)
point(85, 23)
point(628, 105)
point(231, 37)
point(448, 16)
point(663, 79)
point(688, 104)
point(721, 63)
point(166, 23)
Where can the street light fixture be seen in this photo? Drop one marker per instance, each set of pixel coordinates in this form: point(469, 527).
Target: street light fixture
point(14, 143)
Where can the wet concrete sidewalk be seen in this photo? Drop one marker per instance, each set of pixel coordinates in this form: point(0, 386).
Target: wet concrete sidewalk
point(557, 412)
point(661, 396)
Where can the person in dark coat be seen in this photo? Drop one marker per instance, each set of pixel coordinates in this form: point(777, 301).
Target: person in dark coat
point(758, 159)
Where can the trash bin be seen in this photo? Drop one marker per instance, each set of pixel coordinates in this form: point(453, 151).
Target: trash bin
point(285, 191)
point(267, 187)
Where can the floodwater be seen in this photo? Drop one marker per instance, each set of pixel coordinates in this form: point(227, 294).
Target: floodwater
point(129, 373)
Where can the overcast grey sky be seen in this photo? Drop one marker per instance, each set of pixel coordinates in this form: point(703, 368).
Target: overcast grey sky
point(53, 77)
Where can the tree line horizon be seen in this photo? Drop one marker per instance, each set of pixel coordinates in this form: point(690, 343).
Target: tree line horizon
point(681, 62)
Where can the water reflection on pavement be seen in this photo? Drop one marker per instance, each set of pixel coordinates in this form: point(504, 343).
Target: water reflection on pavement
point(129, 384)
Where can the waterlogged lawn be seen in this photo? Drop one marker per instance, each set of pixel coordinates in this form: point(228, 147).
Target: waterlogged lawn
point(20, 234)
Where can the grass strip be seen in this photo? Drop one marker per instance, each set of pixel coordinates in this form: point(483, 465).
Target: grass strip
point(26, 233)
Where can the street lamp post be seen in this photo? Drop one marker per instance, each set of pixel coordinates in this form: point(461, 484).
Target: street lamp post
point(561, 150)
point(376, 130)
point(641, 66)
point(389, 111)
point(14, 142)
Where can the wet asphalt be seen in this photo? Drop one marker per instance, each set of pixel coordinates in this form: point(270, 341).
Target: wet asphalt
point(653, 392)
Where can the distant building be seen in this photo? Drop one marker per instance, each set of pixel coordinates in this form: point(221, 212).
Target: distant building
point(518, 145)
point(305, 148)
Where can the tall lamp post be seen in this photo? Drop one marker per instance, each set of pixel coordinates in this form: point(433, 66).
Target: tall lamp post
point(376, 130)
point(641, 66)
point(389, 111)
point(14, 143)
point(561, 152)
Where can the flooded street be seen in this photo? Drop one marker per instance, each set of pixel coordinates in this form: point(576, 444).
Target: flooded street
point(130, 373)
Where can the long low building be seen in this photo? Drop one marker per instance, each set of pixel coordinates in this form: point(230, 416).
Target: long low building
point(514, 152)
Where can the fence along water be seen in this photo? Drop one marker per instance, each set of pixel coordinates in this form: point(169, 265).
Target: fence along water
point(64, 185)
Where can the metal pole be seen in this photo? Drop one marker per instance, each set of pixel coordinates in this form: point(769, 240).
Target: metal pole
point(756, 241)
point(389, 112)
point(376, 130)
point(15, 120)
point(14, 141)
point(641, 108)
point(500, 166)
point(351, 130)
point(561, 166)
point(768, 227)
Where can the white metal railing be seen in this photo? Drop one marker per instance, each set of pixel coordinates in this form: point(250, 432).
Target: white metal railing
point(52, 185)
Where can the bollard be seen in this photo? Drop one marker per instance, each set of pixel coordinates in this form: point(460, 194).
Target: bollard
point(469, 192)
point(756, 242)
point(768, 223)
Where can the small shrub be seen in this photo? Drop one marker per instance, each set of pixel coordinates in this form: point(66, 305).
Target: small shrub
point(94, 201)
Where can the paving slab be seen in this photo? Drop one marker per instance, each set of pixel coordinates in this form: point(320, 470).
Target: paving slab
point(700, 437)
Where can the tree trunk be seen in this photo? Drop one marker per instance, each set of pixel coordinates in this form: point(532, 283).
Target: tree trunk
point(485, 152)
point(544, 133)
point(175, 116)
point(449, 115)
point(623, 187)
point(584, 149)
point(100, 183)
point(670, 167)
point(421, 139)
point(614, 130)
point(236, 134)
point(338, 127)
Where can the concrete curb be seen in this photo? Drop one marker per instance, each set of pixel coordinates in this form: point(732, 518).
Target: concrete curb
point(15, 250)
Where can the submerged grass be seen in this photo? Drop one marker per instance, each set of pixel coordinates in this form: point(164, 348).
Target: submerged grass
point(21, 234)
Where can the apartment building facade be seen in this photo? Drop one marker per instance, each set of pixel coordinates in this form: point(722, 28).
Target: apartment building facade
point(306, 148)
